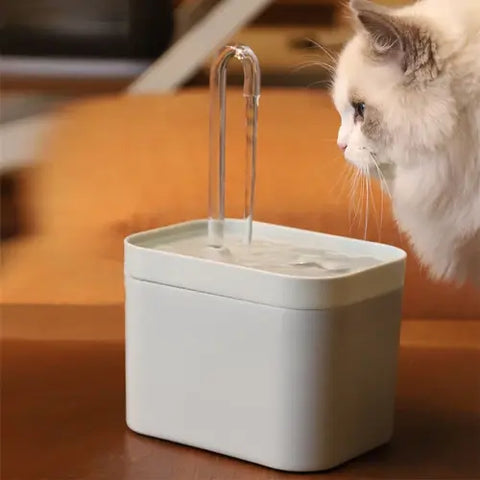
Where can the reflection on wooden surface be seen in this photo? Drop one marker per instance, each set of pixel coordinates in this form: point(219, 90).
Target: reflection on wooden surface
point(63, 410)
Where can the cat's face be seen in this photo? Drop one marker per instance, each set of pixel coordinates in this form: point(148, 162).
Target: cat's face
point(360, 95)
point(387, 89)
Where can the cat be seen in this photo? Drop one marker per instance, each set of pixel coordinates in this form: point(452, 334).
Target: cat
point(407, 88)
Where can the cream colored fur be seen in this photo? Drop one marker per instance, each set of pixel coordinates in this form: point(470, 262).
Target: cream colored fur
point(428, 140)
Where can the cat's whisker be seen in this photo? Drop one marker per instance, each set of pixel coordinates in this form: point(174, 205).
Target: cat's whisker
point(328, 83)
point(333, 56)
point(381, 215)
point(360, 222)
point(349, 173)
point(381, 199)
point(326, 66)
point(374, 206)
point(361, 200)
point(302, 66)
point(350, 197)
point(352, 209)
point(314, 63)
point(378, 218)
point(357, 218)
point(383, 180)
point(385, 184)
point(340, 179)
point(354, 193)
point(383, 187)
point(367, 204)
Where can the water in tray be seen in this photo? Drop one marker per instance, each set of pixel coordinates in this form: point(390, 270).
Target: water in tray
point(273, 256)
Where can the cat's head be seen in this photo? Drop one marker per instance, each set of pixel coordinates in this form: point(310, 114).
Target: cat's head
point(389, 88)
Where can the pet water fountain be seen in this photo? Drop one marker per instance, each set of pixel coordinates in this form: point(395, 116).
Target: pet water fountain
point(262, 342)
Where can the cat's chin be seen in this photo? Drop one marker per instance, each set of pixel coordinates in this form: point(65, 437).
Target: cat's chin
point(382, 171)
point(384, 174)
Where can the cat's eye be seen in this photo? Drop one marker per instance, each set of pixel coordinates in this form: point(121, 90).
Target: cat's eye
point(359, 108)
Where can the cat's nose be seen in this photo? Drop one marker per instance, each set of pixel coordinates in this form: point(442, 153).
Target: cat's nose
point(342, 146)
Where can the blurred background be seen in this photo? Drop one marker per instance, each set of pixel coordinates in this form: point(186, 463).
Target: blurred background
point(104, 118)
point(55, 51)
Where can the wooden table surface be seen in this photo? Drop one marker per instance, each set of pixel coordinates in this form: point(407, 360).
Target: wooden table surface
point(63, 408)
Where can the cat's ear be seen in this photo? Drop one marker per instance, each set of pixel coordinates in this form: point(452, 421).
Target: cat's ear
point(392, 38)
point(384, 29)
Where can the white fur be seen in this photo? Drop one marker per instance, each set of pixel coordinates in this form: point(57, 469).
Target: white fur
point(433, 156)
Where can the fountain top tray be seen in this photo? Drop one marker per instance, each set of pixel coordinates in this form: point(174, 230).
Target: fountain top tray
point(284, 267)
